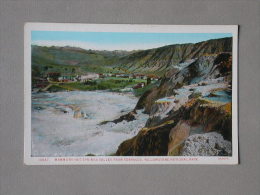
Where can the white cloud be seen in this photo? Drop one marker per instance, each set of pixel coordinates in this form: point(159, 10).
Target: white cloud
point(87, 45)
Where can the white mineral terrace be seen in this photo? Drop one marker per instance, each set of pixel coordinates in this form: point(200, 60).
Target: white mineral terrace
point(67, 123)
point(166, 104)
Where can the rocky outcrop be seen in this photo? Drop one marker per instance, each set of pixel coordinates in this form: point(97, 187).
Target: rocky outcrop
point(148, 142)
point(177, 136)
point(205, 67)
point(127, 117)
point(211, 115)
point(208, 144)
point(183, 106)
point(167, 137)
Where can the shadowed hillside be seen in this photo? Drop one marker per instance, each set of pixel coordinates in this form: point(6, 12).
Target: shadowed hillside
point(159, 60)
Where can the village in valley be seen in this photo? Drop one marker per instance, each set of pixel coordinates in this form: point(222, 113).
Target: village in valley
point(124, 82)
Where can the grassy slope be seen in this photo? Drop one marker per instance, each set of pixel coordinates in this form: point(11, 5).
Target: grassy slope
point(112, 84)
point(70, 60)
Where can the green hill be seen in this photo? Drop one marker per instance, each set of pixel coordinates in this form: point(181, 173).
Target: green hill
point(71, 60)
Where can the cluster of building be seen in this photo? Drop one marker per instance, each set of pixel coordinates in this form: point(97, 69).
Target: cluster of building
point(58, 77)
point(131, 76)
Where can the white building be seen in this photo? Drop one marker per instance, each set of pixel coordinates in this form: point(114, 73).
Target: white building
point(87, 77)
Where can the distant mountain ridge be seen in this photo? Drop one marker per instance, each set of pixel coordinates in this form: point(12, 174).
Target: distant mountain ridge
point(73, 56)
point(72, 60)
point(171, 56)
point(151, 61)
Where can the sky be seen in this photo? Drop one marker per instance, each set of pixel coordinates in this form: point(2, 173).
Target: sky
point(118, 40)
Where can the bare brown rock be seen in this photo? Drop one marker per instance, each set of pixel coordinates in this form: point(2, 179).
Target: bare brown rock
point(177, 136)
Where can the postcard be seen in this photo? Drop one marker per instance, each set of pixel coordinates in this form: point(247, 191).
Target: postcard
point(130, 94)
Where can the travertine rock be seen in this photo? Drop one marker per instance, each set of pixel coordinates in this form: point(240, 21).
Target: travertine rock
point(207, 144)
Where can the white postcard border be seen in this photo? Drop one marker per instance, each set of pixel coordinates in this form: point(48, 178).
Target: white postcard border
point(107, 160)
